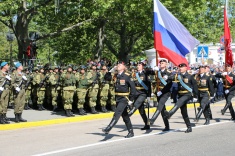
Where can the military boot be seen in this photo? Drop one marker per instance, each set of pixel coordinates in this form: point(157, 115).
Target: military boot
point(1, 119)
point(188, 124)
point(82, 111)
point(132, 111)
point(40, 108)
point(130, 130)
point(54, 108)
point(146, 127)
point(67, 113)
point(17, 118)
point(207, 121)
point(171, 112)
point(93, 111)
point(103, 109)
point(20, 118)
point(155, 115)
point(5, 119)
point(71, 113)
point(110, 126)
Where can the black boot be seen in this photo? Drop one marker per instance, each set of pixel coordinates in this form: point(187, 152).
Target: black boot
point(17, 118)
point(103, 109)
point(26, 106)
point(71, 113)
point(1, 119)
point(130, 134)
point(225, 108)
point(207, 121)
point(40, 107)
point(20, 118)
point(54, 108)
point(171, 112)
point(198, 115)
point(67, 113)
point(93, 111)
point(155, 115)
point(132, 111)
point(110, 126)
point(188, 124)
point(146, 127)
point(113, 108)
point(5, 119)
point(166, 129)
point(81, 111)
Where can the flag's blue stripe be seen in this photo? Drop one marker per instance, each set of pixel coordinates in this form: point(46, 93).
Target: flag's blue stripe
point(168, 39)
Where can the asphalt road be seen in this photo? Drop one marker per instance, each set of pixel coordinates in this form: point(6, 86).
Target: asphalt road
point(86, 138)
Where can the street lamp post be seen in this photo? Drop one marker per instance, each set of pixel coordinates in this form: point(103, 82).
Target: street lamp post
point(10, 39)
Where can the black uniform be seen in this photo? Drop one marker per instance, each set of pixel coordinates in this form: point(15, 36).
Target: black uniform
point(206, 90)
point(122, 95)
point(141, 95)
point(231, 88)
point(165, 77)
point(184, 96)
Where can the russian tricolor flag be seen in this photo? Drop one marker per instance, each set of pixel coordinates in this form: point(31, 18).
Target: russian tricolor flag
point(171, 39)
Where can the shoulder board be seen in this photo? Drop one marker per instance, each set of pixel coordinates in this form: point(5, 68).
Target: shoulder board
point(128, 74)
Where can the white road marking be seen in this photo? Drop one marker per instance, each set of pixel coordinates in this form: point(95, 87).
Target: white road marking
point(123, 139)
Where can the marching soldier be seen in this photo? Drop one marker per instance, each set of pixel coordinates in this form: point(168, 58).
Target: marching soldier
point(206, 93)
point(122, 87)
point(229, 89)
point(69, 82)
point(164, 77)
point(143, 90)
point(18, 82)
point(105, 78)
point(187, 86)
point(4, 92)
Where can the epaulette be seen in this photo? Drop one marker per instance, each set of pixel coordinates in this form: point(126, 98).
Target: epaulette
point(128, 74)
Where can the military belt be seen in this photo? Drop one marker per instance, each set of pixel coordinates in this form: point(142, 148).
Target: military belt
point(122, 94)
point(161, 87)
point(183, 91)
point(203, 89)
point(227, 86)
point(139, 88)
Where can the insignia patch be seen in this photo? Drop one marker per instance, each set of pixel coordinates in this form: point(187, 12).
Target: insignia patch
point(203, 82)
point(122, 82)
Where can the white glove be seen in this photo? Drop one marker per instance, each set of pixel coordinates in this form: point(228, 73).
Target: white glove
point(159, 93)
point(113, 69)
point(226, 91)
point(17, 89)
point(8, 77)
point(165, 77)
point(1, 88)
point(156, 68)
point(225, 73)
point(194, 99)
point(24, 77)
point(130, 103)
point(152, 94)
point(148, 99)
point(211, 98)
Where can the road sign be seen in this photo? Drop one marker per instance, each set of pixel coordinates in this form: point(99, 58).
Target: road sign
point(203, 51)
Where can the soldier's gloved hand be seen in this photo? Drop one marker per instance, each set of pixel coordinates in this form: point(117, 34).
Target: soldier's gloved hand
point(8, 77)
point(1, 88)
point(165, 77)
point(159, 93)
point(211, 98)
point(194, 99)
point(226, 91)
point(148, 99)
point(155, 68)
point(152, 94)
point(17, 89)
point(130, 103)
point(24, 78)
point(225, 73)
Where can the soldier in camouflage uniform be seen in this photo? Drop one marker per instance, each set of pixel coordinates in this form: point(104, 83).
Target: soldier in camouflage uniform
point(49, 87)
point(105, 78)
point(111, 89)
point(93, 79)
point(18, 82)
point(82, 87)
point(39, 81)
point(28, 89)
point(11, 101)
point(5, 91)
point(34, 87)
point(68, 82)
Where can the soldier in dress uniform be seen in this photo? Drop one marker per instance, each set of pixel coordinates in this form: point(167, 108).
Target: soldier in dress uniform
point(164, 77)
point(229, 89)
point(187, 87)
point(125, 93)
point(206, 93)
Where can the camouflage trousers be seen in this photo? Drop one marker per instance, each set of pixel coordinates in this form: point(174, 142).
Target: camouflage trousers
point(81, 94)
point(67, 97)
point(19, 101)
point(4, 99)
point(103, 94)
point(92, 95)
